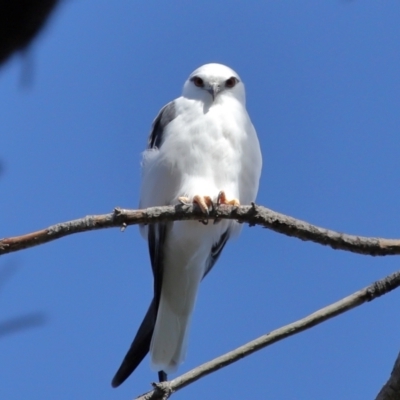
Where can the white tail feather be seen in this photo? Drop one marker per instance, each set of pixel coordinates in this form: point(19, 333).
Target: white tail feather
point(186, 253)
point(169, 342)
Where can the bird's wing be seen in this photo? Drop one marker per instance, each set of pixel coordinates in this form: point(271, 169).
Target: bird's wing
point(139, 347)
point(156, 238)
point(164, 117)
point(159, 183)
point(141, 343)
point(216, 252)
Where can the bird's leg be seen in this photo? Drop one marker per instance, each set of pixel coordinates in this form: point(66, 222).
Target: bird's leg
point(221, 199)
point(203, 202)
point(162, 376)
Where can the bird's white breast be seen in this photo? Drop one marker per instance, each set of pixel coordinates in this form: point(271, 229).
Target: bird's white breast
point(204, 151)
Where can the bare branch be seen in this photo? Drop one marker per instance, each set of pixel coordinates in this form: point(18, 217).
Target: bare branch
point(379, 288)
point(391, 389)
point(253, 215)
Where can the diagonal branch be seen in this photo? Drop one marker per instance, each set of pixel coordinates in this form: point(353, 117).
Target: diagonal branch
point(165, 389)
point(253, 215)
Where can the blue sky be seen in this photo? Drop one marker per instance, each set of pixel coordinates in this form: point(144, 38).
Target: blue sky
point(323, 91)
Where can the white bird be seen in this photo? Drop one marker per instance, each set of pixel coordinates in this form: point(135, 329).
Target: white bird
point(202, 149)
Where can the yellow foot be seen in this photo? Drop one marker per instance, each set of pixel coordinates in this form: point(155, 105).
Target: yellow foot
point(223, 200)
point(203, 202)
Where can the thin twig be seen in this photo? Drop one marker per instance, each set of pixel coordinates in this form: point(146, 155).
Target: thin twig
point(369, 293)
point(253, 215)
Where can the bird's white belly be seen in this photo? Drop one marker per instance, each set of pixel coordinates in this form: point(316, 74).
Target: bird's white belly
point(209, 160)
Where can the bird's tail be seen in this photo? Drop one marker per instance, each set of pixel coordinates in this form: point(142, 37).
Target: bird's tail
point(185, 267)
point(139, 347)
point(169, 343)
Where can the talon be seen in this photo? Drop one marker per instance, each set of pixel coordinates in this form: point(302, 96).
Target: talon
point(221, 199)
point(184, 200)
point(205, 203)
point(221, 195)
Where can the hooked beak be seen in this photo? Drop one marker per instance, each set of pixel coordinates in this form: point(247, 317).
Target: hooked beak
point(214, 90)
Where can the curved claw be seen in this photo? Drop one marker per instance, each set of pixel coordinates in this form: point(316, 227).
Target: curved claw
point(221, 199)
point(203, 202)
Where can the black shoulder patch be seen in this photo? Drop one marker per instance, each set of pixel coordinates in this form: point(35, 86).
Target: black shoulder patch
point(164, 117)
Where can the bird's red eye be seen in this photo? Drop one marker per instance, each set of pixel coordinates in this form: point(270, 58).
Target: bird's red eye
point(198, 81)
point(231, 82)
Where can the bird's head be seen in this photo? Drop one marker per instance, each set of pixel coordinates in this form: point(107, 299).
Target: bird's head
point(211, 82)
